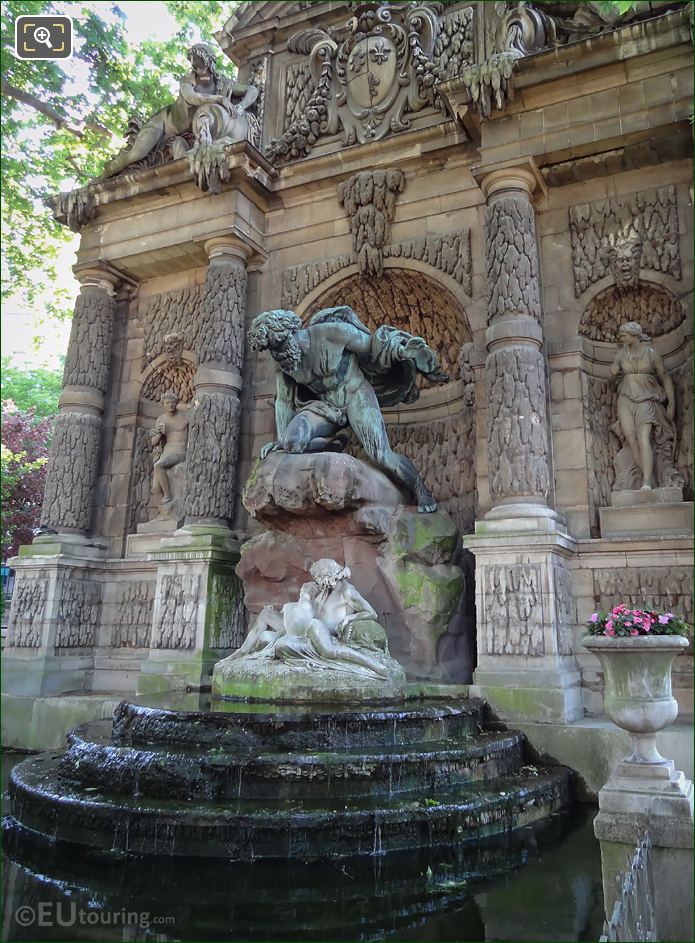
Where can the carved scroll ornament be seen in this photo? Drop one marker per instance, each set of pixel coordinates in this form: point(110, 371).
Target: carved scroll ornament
point(368, 77)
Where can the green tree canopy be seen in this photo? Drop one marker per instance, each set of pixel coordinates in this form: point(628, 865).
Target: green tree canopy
point(61, 120)
point(36, 389)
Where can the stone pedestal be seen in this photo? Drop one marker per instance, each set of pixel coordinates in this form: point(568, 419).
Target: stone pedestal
point(525, 622)
point(198, 615)
point(329, 505)
point(659, 798)
point(524, 605)
point(56, 606)
point(273, 680)
point(653, 512)
point(54, 618)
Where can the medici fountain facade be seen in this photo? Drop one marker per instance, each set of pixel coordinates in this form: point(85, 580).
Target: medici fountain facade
point(379, 383)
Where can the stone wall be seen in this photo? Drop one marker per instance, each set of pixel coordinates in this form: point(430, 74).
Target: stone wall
point(396, 227)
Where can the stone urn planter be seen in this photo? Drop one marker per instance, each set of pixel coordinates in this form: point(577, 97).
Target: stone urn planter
point(637, 696)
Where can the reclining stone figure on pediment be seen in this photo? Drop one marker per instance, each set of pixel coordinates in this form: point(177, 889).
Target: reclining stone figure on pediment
point(211, 111)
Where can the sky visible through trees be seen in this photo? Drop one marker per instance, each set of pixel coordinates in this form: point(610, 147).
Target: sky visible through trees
point(62, 120)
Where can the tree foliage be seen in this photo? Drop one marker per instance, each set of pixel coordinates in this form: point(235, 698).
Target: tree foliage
point(24, 452)
point(61, 120)
point(36, 390)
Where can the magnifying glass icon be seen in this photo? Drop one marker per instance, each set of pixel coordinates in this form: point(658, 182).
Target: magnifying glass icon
point(42, 35)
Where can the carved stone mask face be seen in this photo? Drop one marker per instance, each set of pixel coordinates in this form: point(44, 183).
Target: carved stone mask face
point(625, 264)
point(173, 346)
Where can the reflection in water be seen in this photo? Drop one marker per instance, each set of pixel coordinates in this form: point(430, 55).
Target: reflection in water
point(542, 883)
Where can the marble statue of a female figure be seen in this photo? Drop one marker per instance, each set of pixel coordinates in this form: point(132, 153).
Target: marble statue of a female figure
point(646, 401)
point(310, 629)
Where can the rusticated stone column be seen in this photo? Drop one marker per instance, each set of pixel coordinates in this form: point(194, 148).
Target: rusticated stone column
point(213, 437)
point(197, 602)
point(72, 470)
point(525, 607)
point(518, 445)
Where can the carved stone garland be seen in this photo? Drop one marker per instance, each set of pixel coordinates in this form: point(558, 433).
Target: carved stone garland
point(369, 199)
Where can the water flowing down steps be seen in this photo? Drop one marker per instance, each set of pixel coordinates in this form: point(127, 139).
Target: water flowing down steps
point(249, 781)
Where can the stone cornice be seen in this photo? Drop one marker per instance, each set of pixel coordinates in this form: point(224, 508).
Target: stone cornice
point(250, 171)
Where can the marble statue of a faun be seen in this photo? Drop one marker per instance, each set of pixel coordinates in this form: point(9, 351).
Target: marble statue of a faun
point(169, 440)
point(334, 374)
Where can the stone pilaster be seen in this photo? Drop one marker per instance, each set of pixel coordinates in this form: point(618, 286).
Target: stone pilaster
point(525, 608)
point(213, 438)
point(518, 444)
point(56, 608)
point(73, 466)
point(198, 614)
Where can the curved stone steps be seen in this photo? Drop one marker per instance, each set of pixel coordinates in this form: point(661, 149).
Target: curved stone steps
point(240, 725)
point(268, 899)
point(246, 829)
point(195, 773)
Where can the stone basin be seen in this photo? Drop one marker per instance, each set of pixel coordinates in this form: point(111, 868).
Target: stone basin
point(245, 781)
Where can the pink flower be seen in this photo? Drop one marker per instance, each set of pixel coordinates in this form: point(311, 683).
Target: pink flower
point(628, 622)
point(593, 617)
point(609, 623)
point(665, 619)
point(609, 631)
point(647, 626)
point(634, 632)
point(618, 609)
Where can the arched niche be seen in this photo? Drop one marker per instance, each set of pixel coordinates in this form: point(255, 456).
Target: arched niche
point(653, 305)
point(165, 374)
point(406, 299)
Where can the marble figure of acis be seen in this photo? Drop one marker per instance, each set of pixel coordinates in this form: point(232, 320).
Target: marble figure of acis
point(335, 373)
point(321, 628)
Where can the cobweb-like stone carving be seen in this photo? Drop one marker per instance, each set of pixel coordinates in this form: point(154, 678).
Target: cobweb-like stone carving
point(655, 308)
point(172, 312)
point(170, 377)
point(599, 400)
point(408, 301)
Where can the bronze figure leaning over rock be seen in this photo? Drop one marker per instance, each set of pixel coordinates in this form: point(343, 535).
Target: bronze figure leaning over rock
point(335, 373)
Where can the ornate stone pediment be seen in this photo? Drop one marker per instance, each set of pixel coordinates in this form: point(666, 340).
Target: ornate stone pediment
point(253, 14)
point(369, 77)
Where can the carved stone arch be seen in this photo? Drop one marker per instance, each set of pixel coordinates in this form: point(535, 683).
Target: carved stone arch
point(660, 311)
point(405, 297)
point(164, 374)
point(654, 305)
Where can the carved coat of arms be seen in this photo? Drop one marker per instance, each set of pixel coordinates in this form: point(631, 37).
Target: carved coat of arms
point(369, 76)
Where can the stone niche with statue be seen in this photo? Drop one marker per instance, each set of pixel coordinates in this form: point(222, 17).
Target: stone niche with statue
point(498, 193)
